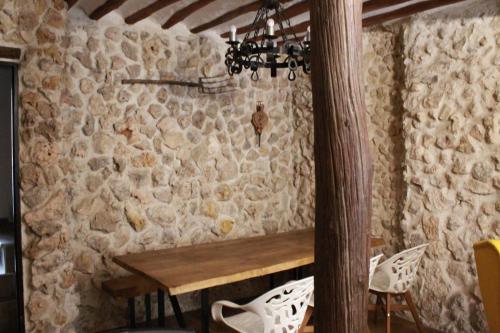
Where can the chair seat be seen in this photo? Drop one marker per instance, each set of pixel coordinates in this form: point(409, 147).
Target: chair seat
point(380, 282)
point(246, 322)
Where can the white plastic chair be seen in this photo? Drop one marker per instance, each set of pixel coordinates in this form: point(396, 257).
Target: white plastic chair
point(396, 274)
point(280, 310)
point(394, 277)
point(373, 265)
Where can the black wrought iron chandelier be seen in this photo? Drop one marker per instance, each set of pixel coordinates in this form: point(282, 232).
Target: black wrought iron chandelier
point(262, 47)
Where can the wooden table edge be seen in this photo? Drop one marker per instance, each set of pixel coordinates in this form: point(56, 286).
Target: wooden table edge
point(221, 280)
point(240, 276)
point(137, 272)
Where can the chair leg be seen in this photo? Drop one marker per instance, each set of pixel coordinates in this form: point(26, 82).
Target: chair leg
point(161, 308)
point(378, 305)
point(414, 313)
point(307, 316)
point(388, 312)
point(131, 312)
point(177, 311)
point(147, 304)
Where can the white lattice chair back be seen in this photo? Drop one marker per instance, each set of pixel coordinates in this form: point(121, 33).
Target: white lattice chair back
point(396, 274)
point(281, 310)
point(373, 265)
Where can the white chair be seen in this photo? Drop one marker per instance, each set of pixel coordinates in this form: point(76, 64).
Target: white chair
point(394, 277)
point(373, 265)
point(280, 310)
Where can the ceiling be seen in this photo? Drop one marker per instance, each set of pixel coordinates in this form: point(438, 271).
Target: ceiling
point(202, 16)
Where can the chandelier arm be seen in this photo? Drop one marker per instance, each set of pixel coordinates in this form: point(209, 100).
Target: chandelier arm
point(283, 65)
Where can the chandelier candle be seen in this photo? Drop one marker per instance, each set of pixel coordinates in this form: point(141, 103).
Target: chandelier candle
point(232, 34)
point(270, 27)
point(308, 35)
point(267, 48)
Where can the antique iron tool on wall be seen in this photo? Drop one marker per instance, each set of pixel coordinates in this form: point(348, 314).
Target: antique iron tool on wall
point(260, 119)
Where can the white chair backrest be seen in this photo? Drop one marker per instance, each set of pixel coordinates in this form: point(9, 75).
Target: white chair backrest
point(401, 268)
point(373, 265)
point(283, 309)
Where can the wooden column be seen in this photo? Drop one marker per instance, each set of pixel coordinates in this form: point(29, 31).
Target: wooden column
point(343, 168)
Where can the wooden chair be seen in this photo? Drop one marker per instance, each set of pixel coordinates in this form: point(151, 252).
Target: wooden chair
point(393, 278)
point(279, 310)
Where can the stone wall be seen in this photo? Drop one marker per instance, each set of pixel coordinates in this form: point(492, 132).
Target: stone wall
point(383, 84)
point(452, 140)
point(108, 169)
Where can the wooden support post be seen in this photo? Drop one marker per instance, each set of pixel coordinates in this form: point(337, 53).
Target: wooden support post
point(343, 168)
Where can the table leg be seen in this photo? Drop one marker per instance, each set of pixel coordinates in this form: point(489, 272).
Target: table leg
point(205, 312)
point(147, 303)
point(177, 311)
point(131, 312)
point(161, 308)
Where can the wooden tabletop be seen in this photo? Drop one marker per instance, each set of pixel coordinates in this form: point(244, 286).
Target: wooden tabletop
point(186, 269)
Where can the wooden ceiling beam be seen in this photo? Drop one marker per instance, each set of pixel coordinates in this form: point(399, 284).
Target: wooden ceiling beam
point(248, 8)
point(377, 19)
point(148, 11)
point(185, 12)
point(288, 13)
point(105, 8)
point(251, 7)
point(71, 3)
point(407, 11)
point(373, 5)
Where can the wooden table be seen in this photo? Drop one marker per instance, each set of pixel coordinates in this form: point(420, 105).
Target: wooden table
point(199, 267)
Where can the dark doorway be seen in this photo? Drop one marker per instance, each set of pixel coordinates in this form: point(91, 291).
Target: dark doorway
point(11, 293)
